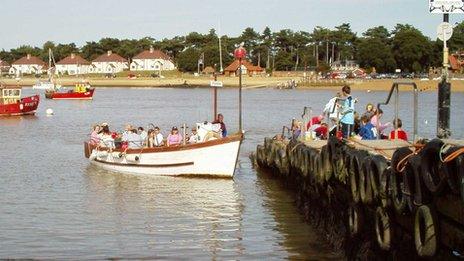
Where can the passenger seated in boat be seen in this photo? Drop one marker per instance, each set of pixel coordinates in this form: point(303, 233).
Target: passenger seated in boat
point(94, 136)
point(106, 138)
point(220, 120)
point(155, 138)
point(174, 138)
point(321, 131)
point(194, 136)
point(134, 141)
point(398, 133)
point(368, 130)
point(143, 134)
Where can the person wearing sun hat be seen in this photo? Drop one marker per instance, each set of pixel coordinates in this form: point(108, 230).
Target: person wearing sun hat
point(174, 138)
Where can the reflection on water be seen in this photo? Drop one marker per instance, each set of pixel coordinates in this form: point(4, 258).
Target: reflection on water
point(54, 204)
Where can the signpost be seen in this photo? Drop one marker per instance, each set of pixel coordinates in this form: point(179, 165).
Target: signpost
point(239, 54)
point(444, 33)
point(446, 6)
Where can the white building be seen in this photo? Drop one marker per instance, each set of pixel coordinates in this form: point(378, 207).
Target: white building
point(28, 65)
point(108, 63)
point(152, 60)
point(72, 65)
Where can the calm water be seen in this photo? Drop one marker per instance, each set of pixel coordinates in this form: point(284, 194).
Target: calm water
point(53, 204)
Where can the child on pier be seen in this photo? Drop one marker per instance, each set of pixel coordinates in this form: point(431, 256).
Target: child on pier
point(398, 133)
point(368, 130)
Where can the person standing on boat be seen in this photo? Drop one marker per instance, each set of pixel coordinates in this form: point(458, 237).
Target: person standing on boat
point(220, 120)
point(347, 112)
point(174, 138)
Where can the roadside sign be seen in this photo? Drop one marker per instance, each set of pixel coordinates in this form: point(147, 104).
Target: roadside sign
point(216, 84)
point(446, 6)
point(444, 31)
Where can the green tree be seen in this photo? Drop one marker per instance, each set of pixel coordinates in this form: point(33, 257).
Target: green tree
point(410, 46)
point(188, 60)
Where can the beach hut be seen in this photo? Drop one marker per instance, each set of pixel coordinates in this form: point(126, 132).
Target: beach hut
point(247, 68)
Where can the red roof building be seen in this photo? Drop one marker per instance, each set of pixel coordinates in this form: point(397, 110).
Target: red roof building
point(73, 59)
point(73, 64)
point(109, 63)
point(247, 68)
point(152, 60)
point(4, 66)
point(28, 65)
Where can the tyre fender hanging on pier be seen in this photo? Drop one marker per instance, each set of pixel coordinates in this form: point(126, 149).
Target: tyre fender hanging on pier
point(355, 173)
point(452, 168)
point(365, 186)
point(434, 178)
point(383, 229)
point(355, 219)
point(377, 170)
point(399, 158)
point(426, 231)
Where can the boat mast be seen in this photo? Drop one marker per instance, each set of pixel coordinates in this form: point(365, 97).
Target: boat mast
point(220, 49)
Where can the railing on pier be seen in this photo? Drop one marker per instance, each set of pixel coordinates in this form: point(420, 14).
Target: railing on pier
point(395, 88)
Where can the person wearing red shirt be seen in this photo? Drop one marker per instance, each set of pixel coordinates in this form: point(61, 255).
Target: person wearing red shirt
point(402, 135)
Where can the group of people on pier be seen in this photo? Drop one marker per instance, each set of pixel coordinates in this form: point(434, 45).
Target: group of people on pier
point(339, 114)
point(136, 138)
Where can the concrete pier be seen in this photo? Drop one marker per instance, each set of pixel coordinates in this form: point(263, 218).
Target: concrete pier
point(376, 199)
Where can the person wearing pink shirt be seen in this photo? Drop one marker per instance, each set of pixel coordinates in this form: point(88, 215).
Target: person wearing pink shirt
point(174, 138)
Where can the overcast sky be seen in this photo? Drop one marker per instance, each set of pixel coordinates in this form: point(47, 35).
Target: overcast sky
point(34, 22)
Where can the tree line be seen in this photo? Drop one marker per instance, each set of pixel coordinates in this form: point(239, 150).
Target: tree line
point(403, 47)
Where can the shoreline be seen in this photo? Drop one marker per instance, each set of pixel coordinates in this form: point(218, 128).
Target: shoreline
point(248, 83)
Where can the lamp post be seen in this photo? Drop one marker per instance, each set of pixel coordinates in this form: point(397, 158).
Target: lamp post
point(239, 54)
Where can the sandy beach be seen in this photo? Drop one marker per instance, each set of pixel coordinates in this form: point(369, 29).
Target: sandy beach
point(231, 82)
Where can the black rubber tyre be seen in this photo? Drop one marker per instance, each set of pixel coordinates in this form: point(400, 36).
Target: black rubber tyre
point(426, 231)
point(384, 188)
point(451, 171)
point(355, 173)
point(396, 185)
point(383, 229)
point(431, 167)
point(377, 169)
point(365, 186)
point(326, 165)
point(355, 220)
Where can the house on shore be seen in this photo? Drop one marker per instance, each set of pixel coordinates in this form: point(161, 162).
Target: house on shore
point(28, 65)
point(72, 65)
point(109, 63)
point(152, 60)
point(4, 67)
point(247, 68)
point(456, 61)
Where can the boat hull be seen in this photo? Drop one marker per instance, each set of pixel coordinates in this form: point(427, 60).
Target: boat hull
point(70, 95)
point(26, 106)
point(216, 158)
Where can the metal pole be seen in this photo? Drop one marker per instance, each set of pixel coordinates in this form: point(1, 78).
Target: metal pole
point(444, 95)
point(397, 110)
point(240, 95)
point(215, 99)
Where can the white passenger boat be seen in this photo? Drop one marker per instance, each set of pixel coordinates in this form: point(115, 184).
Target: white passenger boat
point(216, 157)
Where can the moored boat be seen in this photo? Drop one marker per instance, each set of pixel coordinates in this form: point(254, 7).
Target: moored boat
point(11, 103)
point(81, 91)
point(215, 157)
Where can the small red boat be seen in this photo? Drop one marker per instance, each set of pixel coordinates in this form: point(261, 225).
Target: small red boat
point(82, 91)
point(11, 103)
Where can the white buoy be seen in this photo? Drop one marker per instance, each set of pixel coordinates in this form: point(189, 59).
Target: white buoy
point(49, 111)
point(368, 91)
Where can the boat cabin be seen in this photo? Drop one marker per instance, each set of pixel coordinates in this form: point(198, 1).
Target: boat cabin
point(10, 95)
point(81, 87)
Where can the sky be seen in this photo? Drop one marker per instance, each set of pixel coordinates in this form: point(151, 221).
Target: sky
point(33, 22)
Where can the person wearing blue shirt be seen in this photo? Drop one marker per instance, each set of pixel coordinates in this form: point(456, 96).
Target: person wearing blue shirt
point(368, 131)
point(347, 112)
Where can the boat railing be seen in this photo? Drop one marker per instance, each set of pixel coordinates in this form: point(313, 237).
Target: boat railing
point(395, 89)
